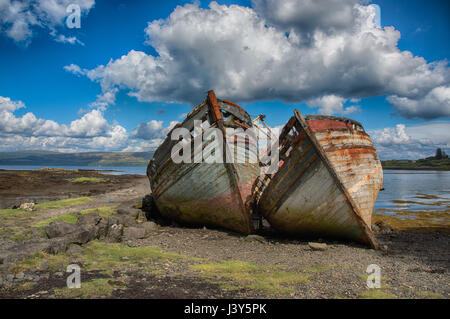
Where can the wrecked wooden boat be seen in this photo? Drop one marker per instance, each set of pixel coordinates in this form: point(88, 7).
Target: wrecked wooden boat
point(328, 180)
point(201, 193)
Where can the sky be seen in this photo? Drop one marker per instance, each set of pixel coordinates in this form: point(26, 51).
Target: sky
point(131, 70)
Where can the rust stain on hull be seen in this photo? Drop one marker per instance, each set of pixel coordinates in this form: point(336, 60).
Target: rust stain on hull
point(327, 183)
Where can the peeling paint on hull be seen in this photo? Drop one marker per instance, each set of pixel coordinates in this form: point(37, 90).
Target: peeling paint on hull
point(328, 181)
point(206, 194)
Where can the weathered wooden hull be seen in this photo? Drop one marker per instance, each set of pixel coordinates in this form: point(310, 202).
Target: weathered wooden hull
point(328, 181)
point(205, 194)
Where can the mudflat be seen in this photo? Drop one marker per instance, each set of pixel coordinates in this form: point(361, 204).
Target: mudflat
point(173, 261)
point(19, 186)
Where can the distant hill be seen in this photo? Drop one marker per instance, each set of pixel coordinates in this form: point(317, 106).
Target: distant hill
point(430, 163)
point(75, 159)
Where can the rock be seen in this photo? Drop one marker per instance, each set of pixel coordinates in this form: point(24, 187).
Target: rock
point(28, 207)
point(1, 260)
point(82, 235)
point(59, 229)
point(132, 212)
point(317, 246)
point(56, 246)
point(148, 227)
point(376, 228)
point(20, 275)
point(125, 220)
point(102, 228)
point(9, 277)
point(43, 266)
point(114, 234)
point(89, 219)
point(383, 227)
point(59, 274)
point(147, 203)
point(255, 238)
point(133, 233)
point(150, 208)
point(75, 250)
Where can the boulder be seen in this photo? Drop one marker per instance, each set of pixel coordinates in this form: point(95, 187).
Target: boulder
point(255, 238)
point(28, 207)
point(132, 212)
point(89, 219)
point(147, 203)
point(148, 227)
point(383, 228)
point(114, 234)
point(126, 220)
point(59, 229)
point(83, 235)
point(318, 246)
point(133, 233)
point(102, 228)
point(56, 245)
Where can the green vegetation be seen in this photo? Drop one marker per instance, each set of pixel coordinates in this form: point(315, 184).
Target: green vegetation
point(267, 279)
point(92, 289)
point(70, 218)
point(63, 203)
point(103, 257)
point(426, 163)
point(105, 211)
point(89, 180)
point(13, 212)
point(429, 295)
point(423, 221)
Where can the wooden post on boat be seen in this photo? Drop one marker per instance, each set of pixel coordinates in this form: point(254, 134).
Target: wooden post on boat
point(231, 169)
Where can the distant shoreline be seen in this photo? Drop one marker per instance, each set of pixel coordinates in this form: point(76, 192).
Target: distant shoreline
point(417, 168)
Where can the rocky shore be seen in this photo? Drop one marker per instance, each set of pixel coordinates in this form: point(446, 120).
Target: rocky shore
point(124, 252)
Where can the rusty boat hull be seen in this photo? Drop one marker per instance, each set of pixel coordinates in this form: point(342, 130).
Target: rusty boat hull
point(327, 183)
point(206, 194)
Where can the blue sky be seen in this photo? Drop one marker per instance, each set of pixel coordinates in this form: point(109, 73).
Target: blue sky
point(32, 71)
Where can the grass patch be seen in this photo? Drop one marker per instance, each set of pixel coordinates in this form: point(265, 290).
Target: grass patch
point(25, 286)
point(102, 256)
point(377, 294)
point(70, 218)
point(13, 212)
point(91, 289)
point(107, 257)
point(63, 203)
point(268, 279)
point(22, 236)
point(105, 212)
point(89, 180)
point(429, 295)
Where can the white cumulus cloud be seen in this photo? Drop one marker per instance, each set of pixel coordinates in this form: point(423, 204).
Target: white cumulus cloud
point(19, 17)
point(411, 142)
point(296, 51)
